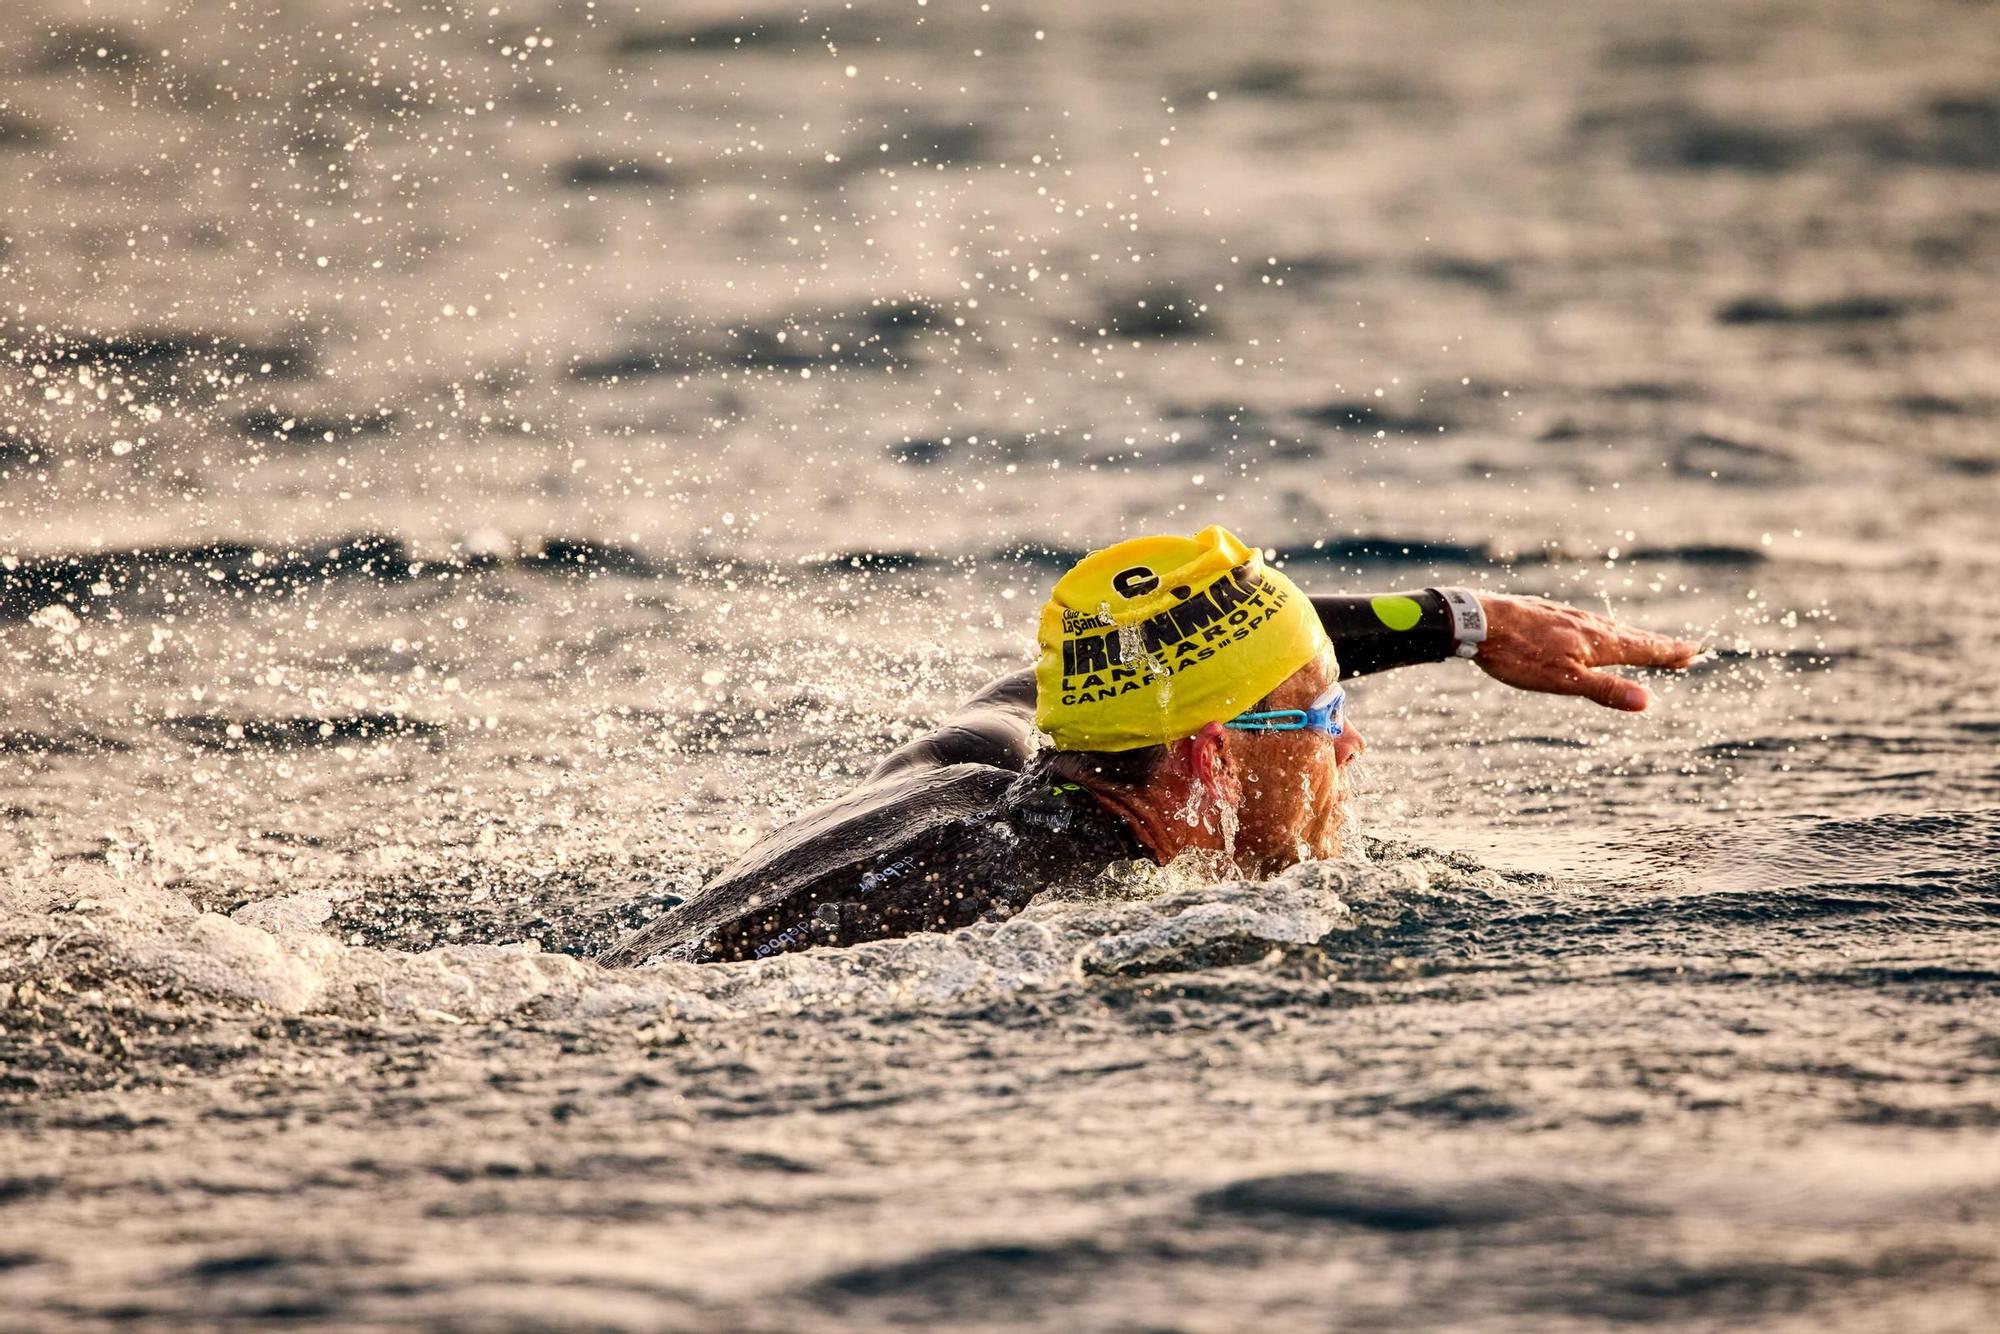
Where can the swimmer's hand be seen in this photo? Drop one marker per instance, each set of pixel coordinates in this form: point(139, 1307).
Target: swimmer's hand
point(1535, 644)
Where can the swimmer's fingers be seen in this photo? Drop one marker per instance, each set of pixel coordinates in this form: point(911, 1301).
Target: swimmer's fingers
point(1535, 644)
point(1624, 646)
point(1571, 673)
point(1613, 692)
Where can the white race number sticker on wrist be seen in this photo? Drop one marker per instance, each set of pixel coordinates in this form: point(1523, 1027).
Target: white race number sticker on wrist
point(1468, 620)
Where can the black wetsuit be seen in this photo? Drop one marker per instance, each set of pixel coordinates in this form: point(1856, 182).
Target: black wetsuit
point(956, 826)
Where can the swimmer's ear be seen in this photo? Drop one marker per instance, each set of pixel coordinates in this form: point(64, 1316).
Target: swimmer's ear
point(1210, 761)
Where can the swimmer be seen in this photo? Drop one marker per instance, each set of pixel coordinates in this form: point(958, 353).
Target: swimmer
point(1187, 700)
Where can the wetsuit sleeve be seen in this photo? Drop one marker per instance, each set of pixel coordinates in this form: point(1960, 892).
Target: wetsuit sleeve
point(1374, 634)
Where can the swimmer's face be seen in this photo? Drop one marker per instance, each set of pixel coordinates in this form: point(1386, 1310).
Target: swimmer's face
point(1294, 784)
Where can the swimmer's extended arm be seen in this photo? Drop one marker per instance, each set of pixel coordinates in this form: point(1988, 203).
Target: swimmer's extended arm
point(1531, 644)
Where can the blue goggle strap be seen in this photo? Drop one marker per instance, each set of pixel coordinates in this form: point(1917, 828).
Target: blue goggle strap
point(1325, 717)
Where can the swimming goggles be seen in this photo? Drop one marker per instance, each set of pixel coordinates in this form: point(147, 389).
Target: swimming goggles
point(1323, 716)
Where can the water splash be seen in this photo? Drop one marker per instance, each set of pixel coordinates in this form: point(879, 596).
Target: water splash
point(277, 954)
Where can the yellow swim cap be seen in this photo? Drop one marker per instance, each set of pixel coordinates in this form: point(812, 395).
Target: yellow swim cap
point(1152, 639)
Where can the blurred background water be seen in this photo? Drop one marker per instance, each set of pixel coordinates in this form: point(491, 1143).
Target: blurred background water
point(468, 470)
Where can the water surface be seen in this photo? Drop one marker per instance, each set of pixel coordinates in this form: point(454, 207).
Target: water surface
point(460, 485)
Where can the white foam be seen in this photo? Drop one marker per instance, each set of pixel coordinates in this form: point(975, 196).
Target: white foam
point(277, 954)
point(302, 911)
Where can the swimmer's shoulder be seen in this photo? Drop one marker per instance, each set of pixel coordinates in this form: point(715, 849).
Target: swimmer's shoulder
point(822, 846)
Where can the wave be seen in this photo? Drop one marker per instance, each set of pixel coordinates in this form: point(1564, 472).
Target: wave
point(220, 732)
point(1368, 418)
point(26, 741)
point(780, 33)
point(145, 349)
point(1852, 309)
point(1951, 130)
point(139, 577)
point(87, 580)
point(1903, 884)
point(882, 335)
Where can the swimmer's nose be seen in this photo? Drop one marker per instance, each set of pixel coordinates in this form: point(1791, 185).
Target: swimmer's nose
point(1349, 745)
